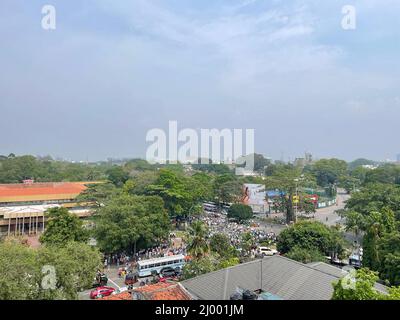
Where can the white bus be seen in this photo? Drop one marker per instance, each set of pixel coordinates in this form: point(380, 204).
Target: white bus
point(146, 267)
point(210, 207)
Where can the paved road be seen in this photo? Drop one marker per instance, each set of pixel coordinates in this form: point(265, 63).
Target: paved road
point(328, 215)
point(113, 281)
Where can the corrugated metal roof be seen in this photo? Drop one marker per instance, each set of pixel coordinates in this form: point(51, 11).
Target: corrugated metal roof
point(327, 268)
point(277, 275)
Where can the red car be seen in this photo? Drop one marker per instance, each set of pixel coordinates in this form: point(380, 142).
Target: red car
point(101, 292)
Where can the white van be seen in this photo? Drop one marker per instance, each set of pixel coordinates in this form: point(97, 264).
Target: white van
point(265, 251)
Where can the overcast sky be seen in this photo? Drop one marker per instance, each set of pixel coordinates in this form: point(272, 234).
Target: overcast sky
point(112, 70)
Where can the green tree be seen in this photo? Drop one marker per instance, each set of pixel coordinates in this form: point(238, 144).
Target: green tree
point(221, 245)
point(20, 272)
point(305, 255)
point(375, 197)
point(247, 243)
point(228, 262)
point(290, 181)
point(172, 187)
point(359, 174)
point(117, 175)
point(197, 267)
point(97, 194)
point(75, 266)
point(140, 181)
point(138, 165)
point(198, 245)
point(374, 212)
point(44, 169)
point(202, 185)
point(361, 286)
point(240, 212)
point(63, 227)
point(328, 171)
point(208, 166)
point(227, 188)
point(128, 223)
point(359, 163)
point(260, 163)
point(389, 257)
point(47, 273)
point(312, 235)
point(388, 174)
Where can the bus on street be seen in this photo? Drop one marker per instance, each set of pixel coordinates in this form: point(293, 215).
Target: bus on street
point(148, 267)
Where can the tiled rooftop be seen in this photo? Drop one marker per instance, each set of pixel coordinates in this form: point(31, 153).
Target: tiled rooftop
point(119, 296)
point(40, 191)
point(164, 291)
point(159, 291)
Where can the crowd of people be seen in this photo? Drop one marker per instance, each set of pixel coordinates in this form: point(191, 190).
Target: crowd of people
point(219, 224)
point(160, 251)
point(126, 262)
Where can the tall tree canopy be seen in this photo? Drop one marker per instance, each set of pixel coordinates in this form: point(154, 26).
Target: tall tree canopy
point(47, 273)
point(328, 171)
point(374, 212)
point(374, 197)
point(228, 188)
point(312, 236)
point(63, 227)
point(182, 194)
point(290, 181)
point(173, 188)
point(360, 285)
point(129, 222)
point(16, 169)
point(97, 194)
point(117, 175)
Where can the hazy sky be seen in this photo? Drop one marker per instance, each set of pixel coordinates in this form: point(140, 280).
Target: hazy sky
point(112, 70)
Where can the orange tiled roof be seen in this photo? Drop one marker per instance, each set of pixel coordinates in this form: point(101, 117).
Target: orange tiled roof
point(40, 191)
point(119, 296)
point(164, 291)
point(158, 291)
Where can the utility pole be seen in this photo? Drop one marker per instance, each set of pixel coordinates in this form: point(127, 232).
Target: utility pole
point(296, 201)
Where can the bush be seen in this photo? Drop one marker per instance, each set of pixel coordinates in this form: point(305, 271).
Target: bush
point(197, 267)
point(305, 255)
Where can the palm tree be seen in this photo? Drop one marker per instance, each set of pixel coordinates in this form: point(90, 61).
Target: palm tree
point(198, 245)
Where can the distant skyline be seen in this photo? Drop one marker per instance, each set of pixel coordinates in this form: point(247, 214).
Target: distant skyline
point(112, 70)
point(285, 159)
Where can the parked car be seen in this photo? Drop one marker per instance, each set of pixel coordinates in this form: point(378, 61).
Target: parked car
point(265, 251)
point(101, 292)
point(168, 272)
